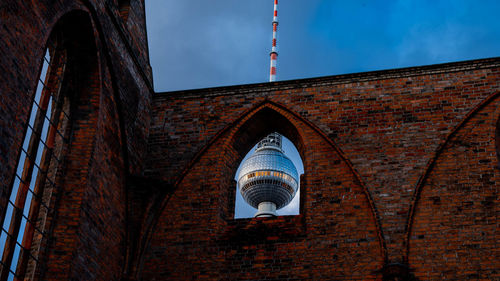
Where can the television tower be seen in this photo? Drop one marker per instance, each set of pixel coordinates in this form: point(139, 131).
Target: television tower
point(274, 52)
point(268, 180)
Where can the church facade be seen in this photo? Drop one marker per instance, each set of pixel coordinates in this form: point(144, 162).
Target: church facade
point(101, 178)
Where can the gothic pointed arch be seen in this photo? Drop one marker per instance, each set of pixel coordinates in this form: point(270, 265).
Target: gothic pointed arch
point(81, 87)
point(60, 134)
point(82, 175)
point(446, 189)
point(338, 200)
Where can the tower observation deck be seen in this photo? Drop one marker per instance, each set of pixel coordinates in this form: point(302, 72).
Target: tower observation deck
point(268, 180)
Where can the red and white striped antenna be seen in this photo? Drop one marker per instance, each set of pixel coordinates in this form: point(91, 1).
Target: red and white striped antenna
point(274, 52)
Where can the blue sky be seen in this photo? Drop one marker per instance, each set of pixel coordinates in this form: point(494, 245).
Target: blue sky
point(200, 43)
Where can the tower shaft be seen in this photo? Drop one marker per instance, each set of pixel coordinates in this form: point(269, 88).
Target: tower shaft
point(274, 52)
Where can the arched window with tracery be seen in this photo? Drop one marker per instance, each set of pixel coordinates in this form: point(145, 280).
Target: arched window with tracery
point(64, 102)
point(44, 129)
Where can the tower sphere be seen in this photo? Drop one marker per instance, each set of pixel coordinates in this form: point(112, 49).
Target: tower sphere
point(268, 180)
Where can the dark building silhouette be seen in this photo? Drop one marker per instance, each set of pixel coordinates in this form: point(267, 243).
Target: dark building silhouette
point(401, 167)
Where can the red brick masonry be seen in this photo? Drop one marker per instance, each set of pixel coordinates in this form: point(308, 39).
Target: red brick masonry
point(401, 166)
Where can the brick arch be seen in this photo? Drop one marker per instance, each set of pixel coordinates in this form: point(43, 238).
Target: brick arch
point(228, 147)
point(73, 35)
point(84, 155)
point(106, 68)
point(47, 39)
point(480, 122)
point(284, 124)
point(74, 39)
point(254, 126)
point(261, 121)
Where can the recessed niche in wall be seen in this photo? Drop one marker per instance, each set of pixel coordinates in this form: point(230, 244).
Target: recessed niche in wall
point(244, 210)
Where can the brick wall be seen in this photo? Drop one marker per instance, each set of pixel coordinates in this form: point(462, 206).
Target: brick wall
point(401, 166)
point(455, 226)
point(388, 125)
point(110, 85)
point(336, 235)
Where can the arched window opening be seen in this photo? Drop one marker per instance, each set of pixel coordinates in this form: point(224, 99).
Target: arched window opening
point(243, 209)
point(43, 132)
point(124, 8)
point(69, 78)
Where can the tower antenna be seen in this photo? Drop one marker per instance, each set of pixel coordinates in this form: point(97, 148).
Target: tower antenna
point(274, 52)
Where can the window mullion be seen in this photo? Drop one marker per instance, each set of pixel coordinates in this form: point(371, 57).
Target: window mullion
point(22, 190)
point(26, 175)
point(44, 166)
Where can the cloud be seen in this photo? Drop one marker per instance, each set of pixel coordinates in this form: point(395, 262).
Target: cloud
point(198, 43)
point(205, 43)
